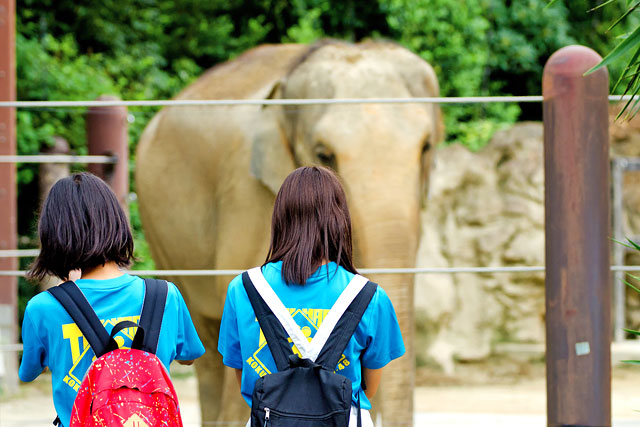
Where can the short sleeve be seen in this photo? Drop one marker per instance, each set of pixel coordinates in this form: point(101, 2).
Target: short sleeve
point(385, 342)
point(229, 341)
point(188, 346)
point(34, 354)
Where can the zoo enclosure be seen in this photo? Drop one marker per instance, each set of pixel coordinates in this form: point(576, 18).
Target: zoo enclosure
point(7, 118)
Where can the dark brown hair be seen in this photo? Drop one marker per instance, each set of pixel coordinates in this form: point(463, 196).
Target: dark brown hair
point(310, 223)
point(81, 226)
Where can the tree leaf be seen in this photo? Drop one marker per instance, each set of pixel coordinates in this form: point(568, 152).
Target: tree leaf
point(600, 5)
point(625, 46)
point(624, 15)
point(634, 244)
point(631, 286)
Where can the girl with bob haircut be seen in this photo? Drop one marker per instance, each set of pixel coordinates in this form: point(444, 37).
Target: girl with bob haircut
point(82, 227)
point(308, 265)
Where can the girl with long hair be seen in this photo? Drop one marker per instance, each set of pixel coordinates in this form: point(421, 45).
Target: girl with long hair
point(309, 264)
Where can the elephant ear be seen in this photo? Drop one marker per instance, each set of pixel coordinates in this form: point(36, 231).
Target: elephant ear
point(421, 81)
point(271, 156)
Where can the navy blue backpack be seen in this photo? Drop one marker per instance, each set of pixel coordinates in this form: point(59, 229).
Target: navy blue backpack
point(305, 392)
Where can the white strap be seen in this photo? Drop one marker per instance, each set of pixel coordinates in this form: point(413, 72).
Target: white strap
point(308, 350)
point(280, 311)
point(331, 319)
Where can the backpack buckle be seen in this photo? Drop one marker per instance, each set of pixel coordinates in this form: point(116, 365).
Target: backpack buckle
point(296, 361)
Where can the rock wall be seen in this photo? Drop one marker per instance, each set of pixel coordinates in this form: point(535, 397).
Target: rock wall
point(625, 141)
point(487, 209)
point(484, 209)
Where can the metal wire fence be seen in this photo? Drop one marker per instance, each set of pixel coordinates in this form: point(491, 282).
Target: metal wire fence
point(315, 101)
point(417, 270)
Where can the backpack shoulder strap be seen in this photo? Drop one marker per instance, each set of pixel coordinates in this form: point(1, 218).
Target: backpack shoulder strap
point(155, 298)
point(76, 304)
point(280, 311)
point(272, 329)
point(345, 327)
point(335, 314)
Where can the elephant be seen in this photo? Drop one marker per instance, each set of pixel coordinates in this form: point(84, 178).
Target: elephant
point(206, 179)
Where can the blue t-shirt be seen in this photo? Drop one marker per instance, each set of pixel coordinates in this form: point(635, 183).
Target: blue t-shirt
point(52, 339)
point(376, 342)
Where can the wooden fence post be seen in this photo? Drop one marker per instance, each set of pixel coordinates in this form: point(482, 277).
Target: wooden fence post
point(107, 136)
point(577, 230)
point(8, 194)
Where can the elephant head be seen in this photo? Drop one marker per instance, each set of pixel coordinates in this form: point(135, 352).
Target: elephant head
point(382, 151)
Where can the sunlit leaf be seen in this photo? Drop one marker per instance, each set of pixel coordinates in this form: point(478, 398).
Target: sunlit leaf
point(631, 286)
point(634, 244)
point(633, 277)
point(625, 244)
point(634, 109)
point(624, 47)
point(631, 331)
point(632, 80)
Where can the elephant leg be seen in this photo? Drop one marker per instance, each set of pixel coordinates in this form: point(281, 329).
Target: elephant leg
point(395, 397)
point(395, 394)
point(209, 369)
point(220, 398)
point(234, 408)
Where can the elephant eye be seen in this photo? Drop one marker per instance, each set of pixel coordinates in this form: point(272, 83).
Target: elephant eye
point(426, 146)
point(325, 156)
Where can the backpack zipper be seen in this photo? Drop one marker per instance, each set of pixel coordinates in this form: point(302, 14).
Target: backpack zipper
point(268, 411)
point(266, 416)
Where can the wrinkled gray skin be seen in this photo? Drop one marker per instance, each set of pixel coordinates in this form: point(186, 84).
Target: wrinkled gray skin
point(207, 177)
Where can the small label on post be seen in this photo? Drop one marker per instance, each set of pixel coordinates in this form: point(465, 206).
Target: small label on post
point(582, 348)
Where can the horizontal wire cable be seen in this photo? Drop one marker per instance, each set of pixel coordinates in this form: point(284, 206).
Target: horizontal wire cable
point(10, 347)
point(58, 158)
point(417, 270)
point(231, 102)
point(18, 253)
point(314, 101)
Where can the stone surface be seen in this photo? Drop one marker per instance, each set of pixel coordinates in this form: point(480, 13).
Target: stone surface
point(625, 142)
point(487, 209)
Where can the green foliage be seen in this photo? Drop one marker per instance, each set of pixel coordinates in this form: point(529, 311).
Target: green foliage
point(141, 251)
point(627, 51)
point(26, 290)
point(631, 245)
point(144, 49)
point(481, 48)
point(592, 26)
point(54, 70)
point(51, 69)
point(452, 37)
point(523, 35)
point(497, 47)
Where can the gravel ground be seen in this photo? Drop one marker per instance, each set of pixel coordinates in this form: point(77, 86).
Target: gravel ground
point(497, 394)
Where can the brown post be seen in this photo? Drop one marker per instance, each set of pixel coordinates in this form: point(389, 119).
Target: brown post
point(107, 136)
point(49, 174)
point(578, 286)
point(8, 205)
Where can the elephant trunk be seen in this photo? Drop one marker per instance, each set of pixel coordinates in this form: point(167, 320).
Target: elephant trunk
point(387, 237)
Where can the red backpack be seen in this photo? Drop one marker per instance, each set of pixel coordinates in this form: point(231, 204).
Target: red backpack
point(122, 387)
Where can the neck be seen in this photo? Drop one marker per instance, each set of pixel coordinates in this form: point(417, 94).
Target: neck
point(110, 270)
